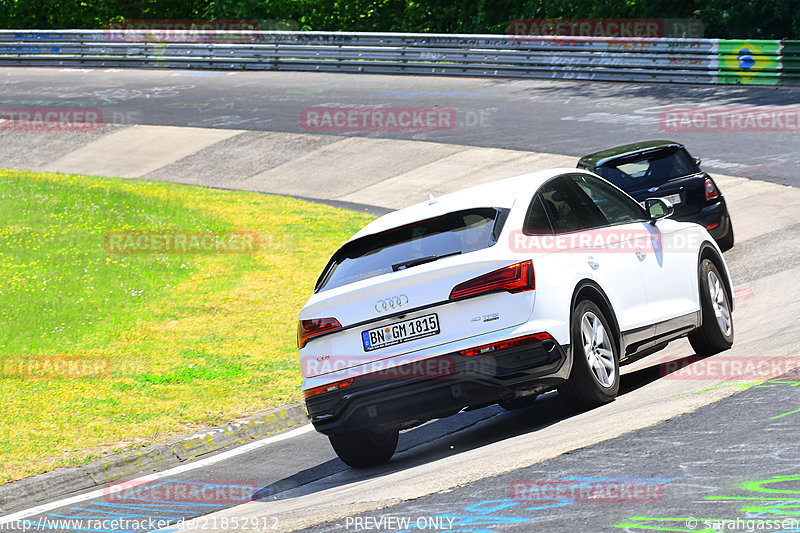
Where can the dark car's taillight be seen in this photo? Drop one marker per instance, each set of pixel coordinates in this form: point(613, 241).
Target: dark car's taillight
point(513, 278)
point(711, 189)
point(308, 329)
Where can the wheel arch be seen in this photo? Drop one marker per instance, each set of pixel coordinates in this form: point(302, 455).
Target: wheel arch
point(589, 290)
point(710, 252)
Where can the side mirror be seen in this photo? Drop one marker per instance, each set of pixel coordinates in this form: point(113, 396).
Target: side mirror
point(658, 208)
point(697, 161)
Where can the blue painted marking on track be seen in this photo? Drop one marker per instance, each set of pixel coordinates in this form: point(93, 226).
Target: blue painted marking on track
point(559, 502)
point(483, 509)
point(638, 480)
point(202, 487)
point(110, 516)
point(464, 520)
point(109, 513)
point(132, 504)
point(146, 508)
point(162, 503)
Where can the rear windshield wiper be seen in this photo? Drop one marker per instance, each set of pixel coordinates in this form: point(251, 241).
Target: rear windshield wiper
point(421, 261)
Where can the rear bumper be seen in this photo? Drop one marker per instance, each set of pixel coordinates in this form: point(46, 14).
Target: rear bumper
point(439, 387)
point(714, 216)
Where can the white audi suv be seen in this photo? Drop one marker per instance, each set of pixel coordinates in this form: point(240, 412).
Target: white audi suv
point(496, 294)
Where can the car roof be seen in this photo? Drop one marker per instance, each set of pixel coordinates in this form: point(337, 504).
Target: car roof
point(496, 194)
point(626, 150)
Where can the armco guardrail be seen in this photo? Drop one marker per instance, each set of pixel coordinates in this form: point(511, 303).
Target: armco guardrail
point(591, 58)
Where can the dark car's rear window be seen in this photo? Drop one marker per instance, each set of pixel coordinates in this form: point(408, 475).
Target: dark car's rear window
point(648, 170)
point(396, 249)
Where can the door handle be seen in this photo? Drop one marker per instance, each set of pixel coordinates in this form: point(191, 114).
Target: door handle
point(592, 263)
point(640, 254)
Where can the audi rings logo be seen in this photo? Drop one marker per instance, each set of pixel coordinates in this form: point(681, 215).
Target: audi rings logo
point(389, 304)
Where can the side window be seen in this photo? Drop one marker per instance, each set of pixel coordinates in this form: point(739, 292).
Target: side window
point(617, 207)
point(536, 221)
point(568, 207)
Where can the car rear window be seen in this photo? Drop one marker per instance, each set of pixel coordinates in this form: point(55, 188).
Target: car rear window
point(648, 170)
point(455, 233)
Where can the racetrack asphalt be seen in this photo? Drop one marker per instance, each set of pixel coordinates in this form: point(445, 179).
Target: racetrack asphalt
point(269, 151)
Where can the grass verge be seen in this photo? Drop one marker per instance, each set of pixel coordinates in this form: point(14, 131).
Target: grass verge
point(102, 350)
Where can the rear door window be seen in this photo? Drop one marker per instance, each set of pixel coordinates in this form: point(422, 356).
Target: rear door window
point(568, 207)
point(617, 207)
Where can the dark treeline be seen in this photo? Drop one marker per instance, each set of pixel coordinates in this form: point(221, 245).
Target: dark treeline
point(732, 19)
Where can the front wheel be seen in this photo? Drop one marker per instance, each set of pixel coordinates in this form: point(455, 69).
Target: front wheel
point(716, 332)
point(594, 379)
point(366, 447)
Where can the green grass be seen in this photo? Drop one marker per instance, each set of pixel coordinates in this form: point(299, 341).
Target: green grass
point(102, 351)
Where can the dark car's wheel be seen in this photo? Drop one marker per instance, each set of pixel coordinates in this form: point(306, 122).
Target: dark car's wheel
point(365, 447)
point(594, 379)
point(716, 333)
point(725, 242)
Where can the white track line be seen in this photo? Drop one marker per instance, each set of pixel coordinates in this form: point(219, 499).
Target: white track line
point(19, 515)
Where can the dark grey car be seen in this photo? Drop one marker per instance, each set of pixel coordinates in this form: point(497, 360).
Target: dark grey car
point(665, 169)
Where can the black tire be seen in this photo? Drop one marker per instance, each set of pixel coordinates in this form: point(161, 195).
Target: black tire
point(517, 403)
point(712, 336)
point(725, 242)
point(584, 389)
point(366, 447)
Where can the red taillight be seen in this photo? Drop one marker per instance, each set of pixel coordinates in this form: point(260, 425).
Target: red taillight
point(711, 189)
point(513, 278)
point(712, 226)
point(306, 329)
point(502, 345)
point(316, 391)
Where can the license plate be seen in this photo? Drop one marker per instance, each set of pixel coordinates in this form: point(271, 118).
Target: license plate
point(674, 199)
point(399, 332)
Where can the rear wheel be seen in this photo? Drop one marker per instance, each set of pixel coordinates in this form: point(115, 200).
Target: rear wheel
point(594, 379)
point(366, 447)
point(716, 333)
